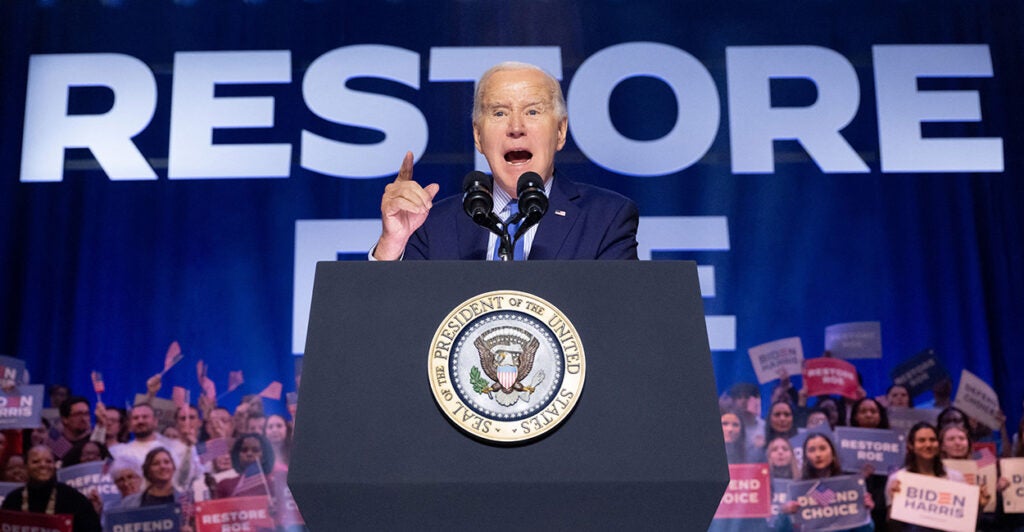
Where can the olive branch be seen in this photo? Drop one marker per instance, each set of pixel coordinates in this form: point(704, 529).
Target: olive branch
point(479, 383)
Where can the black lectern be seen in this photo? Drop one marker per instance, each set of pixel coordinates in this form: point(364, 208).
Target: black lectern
point(643, 445)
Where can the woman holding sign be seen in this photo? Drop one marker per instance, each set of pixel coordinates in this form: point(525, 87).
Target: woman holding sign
point(820, 462)
point(923, 458)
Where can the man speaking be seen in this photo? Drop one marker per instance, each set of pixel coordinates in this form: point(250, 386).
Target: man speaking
point(519, 123)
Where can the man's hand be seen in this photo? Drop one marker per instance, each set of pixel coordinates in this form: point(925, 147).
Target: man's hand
point(403, 208)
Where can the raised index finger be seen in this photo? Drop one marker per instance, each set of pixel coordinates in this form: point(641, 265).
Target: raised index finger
point(405, 172)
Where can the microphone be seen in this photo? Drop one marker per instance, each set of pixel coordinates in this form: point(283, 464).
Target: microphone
point(533, 203)
point(477, 201)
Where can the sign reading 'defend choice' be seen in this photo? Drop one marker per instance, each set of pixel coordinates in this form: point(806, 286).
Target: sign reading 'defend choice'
point(920, 373)
point(835, 503)
point(748, 493)
point(978, 400)
point(1013, 496)
point(20, 408)
point(89, 477)
point(828, 376)
point(148, 519)
point(861, 339)
point(883, 449)
point(934, 502)
point(774, 360)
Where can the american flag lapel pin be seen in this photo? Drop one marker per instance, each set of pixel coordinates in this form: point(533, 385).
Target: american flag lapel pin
point(559, 212)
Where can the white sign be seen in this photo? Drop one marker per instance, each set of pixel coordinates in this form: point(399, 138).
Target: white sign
point(774, 360)
point(1013, 496)
point(977, 399)
point(934, 502)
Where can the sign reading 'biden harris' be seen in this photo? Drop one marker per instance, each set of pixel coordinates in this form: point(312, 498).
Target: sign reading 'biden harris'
point(506, 366)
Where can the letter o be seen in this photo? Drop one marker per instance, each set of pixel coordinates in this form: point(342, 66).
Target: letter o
point(697, 99)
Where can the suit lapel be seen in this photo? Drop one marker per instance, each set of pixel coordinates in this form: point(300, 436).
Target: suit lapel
point(555, 226)
point(471, 238)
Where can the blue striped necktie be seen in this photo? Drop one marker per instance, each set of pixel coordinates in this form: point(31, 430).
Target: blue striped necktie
point(518, 250)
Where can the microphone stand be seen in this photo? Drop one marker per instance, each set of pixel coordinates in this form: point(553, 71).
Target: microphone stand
point(506, 242)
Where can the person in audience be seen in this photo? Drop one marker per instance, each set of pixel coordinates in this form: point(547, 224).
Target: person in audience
point(821, 461)
point(924, 458)
point(256, 423)
point(127, 476)
point(780, 421)
point(219, 424)
point(111, 425)
point(955, 442)
point(87, 451)
point(836, 411)
point(248, 449)
point(897, 395)
point(781, 459)
point(43, 494)
point(188, 424)
point(76, 426)
point(979, 432)
point(147, 438)
point(171, 433)
point(58, 393)
point(158, 469)
point(279, 434)
point(818, 417)
point(869, 414)
point(250, 406)
point(733, 432)
point(15, 470)
point(745, 401)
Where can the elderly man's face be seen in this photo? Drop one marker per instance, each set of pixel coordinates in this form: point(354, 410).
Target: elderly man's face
point(519, 130)
point(41, 465)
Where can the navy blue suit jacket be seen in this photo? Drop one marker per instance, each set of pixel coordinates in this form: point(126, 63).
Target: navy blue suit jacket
point(596, 224)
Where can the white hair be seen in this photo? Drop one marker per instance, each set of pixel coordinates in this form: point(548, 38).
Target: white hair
point(557, 98)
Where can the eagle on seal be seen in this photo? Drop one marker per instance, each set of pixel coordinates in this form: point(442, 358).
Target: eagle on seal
point(506, 367)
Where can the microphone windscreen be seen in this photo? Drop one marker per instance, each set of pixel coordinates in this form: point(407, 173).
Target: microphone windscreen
point(529, 180)
point(477, 178)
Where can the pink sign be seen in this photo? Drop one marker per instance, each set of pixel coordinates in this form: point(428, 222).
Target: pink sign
point(748, 494)
point(236, 513)
point(830, 376)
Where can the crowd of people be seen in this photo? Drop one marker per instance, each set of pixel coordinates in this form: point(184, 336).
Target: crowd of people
point(207, 453)
point(774, 441)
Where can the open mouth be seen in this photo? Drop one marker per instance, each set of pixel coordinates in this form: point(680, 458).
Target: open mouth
point(518, 157)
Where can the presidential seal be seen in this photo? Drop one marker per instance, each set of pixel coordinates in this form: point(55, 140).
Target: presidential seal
point(506, 366)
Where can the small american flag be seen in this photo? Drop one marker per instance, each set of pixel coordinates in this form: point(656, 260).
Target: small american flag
point(212, 448)
point(251, 479)
point(235, 379)
point(97, 382)
point(984, 457)
point(822, 495)
point(173, 356)
point(272, 391)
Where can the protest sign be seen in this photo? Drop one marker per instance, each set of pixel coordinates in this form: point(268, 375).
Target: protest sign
point(861, 339)
point(88, 477)
point(287, 510)
point(163, 409)
point(1013, 496)
point(748, 493)
point(147, 518)
point(883, 449)
point(827, 376)
point(21, 407)
point(775, 359)
point(835, 503)
point(978, 400)
point(237, 513)
point(780, 494)
point(901, 419)
point(935, 502)
point(920, 373)
point(986, 460)
point(29, 521)
point(12, 371)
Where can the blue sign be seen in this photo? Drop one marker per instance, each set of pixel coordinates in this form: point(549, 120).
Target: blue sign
point(835, 503)
point(882, 449)
point(150, 518)
point(20, 407)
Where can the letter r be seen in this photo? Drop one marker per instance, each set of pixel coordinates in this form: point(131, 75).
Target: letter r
point(49, 129)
